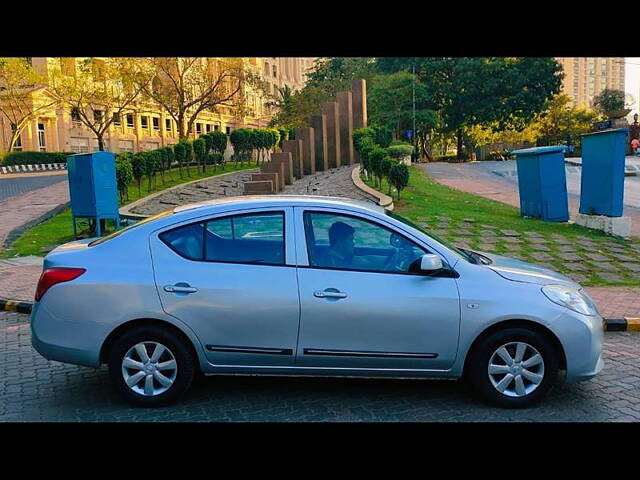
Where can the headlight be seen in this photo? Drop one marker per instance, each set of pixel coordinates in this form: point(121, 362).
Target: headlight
point(570, 298)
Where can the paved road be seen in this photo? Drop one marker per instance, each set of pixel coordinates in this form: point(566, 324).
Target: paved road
point(17, 185)
point(34, 389)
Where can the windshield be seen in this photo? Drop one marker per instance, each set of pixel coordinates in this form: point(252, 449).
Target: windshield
point(130, 227)
point(463, 253)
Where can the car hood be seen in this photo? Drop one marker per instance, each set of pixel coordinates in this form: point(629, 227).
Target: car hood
point(519, 271)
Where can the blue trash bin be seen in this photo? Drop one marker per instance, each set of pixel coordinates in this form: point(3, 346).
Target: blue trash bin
point(602, 183)
point(542, 183)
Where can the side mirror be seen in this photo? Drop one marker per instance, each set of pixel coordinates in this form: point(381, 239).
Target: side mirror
point(430, 263)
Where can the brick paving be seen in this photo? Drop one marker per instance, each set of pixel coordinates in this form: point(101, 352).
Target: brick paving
point(13, 185)
point(34, 389)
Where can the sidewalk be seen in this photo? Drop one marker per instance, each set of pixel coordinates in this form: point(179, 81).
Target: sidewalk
point(20, 209)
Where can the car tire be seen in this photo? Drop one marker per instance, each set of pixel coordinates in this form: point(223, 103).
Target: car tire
point(536, 378)
point(167, 384)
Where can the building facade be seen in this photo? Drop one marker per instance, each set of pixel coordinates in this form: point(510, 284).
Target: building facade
point(146, 126)
point(586, 77)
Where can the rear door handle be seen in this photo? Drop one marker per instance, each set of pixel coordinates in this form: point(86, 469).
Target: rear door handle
point(180, 289)
point(329, 293)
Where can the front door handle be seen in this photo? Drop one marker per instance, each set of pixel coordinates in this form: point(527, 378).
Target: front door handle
point(180, 288)
point(329, 293)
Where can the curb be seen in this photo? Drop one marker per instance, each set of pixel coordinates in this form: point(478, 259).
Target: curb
point(15, 306)
point(14, 234)
point(625, 324)
point(383, 200)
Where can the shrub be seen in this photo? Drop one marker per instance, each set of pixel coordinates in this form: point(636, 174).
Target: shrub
point(382, 136)
point(34, 158)
point(284, 135)
point(360, 138)
point(400, 150)
point(124, 174)
point(376, 156)
point(399, 177)
point(180, 153)
point(219, 140)
point(242, 141)
point(609, 100)
point(137, 164)
point(200, 150)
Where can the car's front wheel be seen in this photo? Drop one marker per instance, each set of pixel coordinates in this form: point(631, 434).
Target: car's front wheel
point(514, 367)
point(150, 366)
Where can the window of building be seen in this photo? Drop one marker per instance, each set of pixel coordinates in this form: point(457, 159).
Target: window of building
point(207, 128)
point(275, 71)
point(144, 121)
point(75, 114)
point(116, 119)
point(216, 127)
point(42, 142)
point(156, 123)
point(167, 124)
point(198, 128)
point(228, 129)
point(17, 146)
point(97, 116)
point(130, 120)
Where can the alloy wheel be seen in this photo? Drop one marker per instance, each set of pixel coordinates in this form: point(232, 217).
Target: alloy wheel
point(516, 369)
point(149, 368)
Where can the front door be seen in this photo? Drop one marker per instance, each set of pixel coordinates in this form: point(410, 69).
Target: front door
point(232, 279)
point(361, 307)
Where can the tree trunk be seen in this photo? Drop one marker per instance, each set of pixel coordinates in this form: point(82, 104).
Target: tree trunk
point(459, 155)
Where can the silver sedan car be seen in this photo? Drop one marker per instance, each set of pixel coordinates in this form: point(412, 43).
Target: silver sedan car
point(295, 285)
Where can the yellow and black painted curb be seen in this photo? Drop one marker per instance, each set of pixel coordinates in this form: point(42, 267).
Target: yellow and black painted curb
point(625, 324)
point(15, 306)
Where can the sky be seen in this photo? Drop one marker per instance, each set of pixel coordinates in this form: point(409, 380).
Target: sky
point(632, 80)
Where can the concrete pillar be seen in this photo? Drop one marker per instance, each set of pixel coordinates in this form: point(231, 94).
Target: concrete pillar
point(359, 96)
point(274, 167)
point(319, 125)
point(330, 110)
point(272, 177)
point(345, 109)
point(295, 148)
point(258, 187)
point(286, 160)
point(307, 136)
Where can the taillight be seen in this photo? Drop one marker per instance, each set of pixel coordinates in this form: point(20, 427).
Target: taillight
point(51, 276)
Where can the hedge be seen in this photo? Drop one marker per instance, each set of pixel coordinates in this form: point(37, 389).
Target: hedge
point(34, 158)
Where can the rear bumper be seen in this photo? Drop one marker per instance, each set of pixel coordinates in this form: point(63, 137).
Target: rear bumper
point(65, 341)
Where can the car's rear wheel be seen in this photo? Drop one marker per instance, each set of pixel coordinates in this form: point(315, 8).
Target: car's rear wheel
point(514, 367)
point(151, 366)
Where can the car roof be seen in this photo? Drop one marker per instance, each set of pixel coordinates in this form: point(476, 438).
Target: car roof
point(250, 201)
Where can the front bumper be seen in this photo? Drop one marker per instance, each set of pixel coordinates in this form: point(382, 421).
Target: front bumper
point(582, 338)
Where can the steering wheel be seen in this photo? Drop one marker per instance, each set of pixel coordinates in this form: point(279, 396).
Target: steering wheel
point(393, 261)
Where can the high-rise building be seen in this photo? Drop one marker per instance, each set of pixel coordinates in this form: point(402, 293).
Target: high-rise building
point(146, 126)
point(586, 77)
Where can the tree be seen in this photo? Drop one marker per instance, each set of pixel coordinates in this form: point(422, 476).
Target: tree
point(610, 100)
point(169, 158)
point(200, 152)
point(219, 145)
point(242, 141)
point(124, 174)
point(479, 91)
point(399, 177)
point(138, 167)
point(180, 153)
point(22, 96)
point(100, 91)
point(187, 86)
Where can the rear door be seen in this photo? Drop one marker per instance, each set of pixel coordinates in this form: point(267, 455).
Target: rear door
point(232, 279)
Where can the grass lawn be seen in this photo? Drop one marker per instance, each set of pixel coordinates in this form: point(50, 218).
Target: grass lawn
point(471, 221)
point(59, 229)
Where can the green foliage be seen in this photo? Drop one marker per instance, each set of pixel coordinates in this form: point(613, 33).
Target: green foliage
point(243, 141)
point(377, 156)
point(400, 150)
point(219, 142)
point(609, 100)
point(284, 135)
point(362, 137)
point(124, 174)
point(383, 136)
point(398, 176)
point(138, 168)
point(200, 151)
point(208, 140)
point(34, 158)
